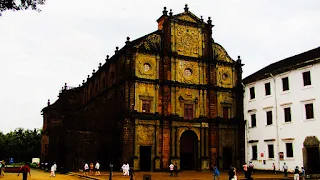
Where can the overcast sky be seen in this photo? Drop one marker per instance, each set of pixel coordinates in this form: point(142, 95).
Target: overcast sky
point(39, 52)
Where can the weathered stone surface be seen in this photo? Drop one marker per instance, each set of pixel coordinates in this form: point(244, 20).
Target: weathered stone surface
point(185, 79)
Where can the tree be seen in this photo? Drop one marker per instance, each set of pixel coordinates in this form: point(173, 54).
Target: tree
point(17, 5)
point(22, 145)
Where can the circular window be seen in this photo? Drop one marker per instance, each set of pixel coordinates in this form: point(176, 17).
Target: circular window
point(188, 72)
point(146, 67)
point(224, 76)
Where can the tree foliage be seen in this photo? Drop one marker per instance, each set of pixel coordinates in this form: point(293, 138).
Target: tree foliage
point(21, 145)
point(16, 5)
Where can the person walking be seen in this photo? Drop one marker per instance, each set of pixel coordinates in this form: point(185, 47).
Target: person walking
point(296, 173)
point(53, 170)
point(85, 169)
point(274, 168)
point(91, 168)
point(97, 167)
point(171, 167)
point(231, 173)
point(25, 170)
point(285, 170)
point(3, 165)
point(176, 171)
point(303, 173)
point(245, 170)
point(216, 173)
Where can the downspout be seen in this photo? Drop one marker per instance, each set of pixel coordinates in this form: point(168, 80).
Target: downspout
point(246, 130)
point(277, 124)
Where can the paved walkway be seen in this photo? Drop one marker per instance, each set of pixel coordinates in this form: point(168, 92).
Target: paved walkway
point(185, 175)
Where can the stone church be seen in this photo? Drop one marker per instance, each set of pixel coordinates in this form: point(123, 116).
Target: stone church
point(173, 95)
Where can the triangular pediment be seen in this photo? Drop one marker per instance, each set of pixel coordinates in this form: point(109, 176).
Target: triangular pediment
point(188, 16)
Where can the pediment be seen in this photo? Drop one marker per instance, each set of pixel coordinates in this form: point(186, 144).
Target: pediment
point(220, 54)
point(188, 16)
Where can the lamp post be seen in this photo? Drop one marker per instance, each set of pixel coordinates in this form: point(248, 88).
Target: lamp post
point(110, 175)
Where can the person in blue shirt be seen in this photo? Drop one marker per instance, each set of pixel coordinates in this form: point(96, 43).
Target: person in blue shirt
point(216, 173)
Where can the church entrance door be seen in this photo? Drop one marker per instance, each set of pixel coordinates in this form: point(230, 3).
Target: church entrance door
point(313, 160)
point(227, 157)
point(310, 152)
point(145, 158)
point(188, 150)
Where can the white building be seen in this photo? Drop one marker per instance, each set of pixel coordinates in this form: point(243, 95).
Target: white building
point(281, 110)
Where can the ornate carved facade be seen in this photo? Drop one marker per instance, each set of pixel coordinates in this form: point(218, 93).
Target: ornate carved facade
point(173, 95)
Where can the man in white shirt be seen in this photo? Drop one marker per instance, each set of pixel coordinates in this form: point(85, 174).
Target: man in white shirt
point(127, 169)
point(171, 167)
point(97, 167)
point(123, 169)
point(86, 169)
point(53, 170)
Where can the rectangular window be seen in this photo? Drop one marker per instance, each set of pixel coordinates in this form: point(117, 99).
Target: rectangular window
point(188, 111)
point(306, 78)
point(270, 151)
point(269, 117)
point(309, 111)
point(226, 112)
point(287, 114)
point(285, 84)
point(254, 152)
point(253, 120)
point(289, 149)
point(146, 106)
point(267, 88)
point(252, 93)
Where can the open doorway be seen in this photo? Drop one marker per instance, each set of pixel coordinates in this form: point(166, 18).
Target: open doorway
point(313, 160)
point(311, 154)
point(227, 157)
point(188, 150)
point(145, 158)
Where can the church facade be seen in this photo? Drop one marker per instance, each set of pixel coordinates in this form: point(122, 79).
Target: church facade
point(172, 96)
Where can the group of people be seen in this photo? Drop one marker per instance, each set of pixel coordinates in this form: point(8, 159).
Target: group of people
point(248, 169)
point(296, 171)
point(125, 169)
point(90, 168)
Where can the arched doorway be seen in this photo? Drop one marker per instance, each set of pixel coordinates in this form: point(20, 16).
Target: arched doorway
point(188, 150)
point(311, 154)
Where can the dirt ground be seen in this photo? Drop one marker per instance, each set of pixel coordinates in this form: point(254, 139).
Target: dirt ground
point(187, 175)
point(37, 175)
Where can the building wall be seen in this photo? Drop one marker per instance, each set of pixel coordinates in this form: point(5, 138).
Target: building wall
point(281, 132)
point(109, 103)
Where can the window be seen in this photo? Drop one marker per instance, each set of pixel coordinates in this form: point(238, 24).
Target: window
point(146, 106)
point(309, 111)
point(287, 114)
point(289, 149)
point(267, 88)
point(252, 94)
point(226, 112)
point(306, 78)
point(254, 152)
point(285, 84)
point(188, 111)
point(270, 151)
point(269, 117)
point(253, 120)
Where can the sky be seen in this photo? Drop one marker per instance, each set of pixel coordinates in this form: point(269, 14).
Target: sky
point(39, 52)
